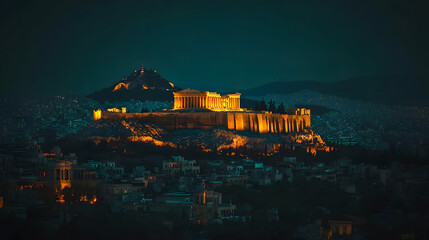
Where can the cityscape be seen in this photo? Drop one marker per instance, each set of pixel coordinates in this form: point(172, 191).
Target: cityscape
point(143, 148)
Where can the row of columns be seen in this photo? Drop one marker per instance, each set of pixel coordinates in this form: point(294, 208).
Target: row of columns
point(205, 102)
point(233, 103)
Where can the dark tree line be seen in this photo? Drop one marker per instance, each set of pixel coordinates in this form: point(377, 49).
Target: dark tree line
point(262, 106)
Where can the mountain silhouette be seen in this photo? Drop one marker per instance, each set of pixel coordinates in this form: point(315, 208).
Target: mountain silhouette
point(391, 90)
point(143, 85)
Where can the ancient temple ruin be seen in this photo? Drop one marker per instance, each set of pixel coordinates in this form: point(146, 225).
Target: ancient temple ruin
point(209, 100)
point(224, 111)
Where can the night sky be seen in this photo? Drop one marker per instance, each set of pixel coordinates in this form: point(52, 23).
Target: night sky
point(77, 47)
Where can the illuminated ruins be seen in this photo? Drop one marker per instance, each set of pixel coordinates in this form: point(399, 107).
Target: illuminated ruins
point(208, 110)
point(209, 100)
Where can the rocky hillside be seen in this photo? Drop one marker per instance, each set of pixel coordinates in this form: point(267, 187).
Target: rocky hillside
point(219, 139)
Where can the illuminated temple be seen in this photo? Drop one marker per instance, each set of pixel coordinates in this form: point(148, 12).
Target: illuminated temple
point(190, 111)
point(209, 100)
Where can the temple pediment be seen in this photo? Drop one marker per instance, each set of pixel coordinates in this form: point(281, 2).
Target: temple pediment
point(187, 91)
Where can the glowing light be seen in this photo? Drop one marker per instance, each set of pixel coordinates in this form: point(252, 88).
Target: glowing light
point(64, 184)
point(138, 138)
point(149, 139)
point(236, 142)
point(145, 87)
point(83, 198)
point(121, 85)
point(97, 114)
point(60, 199)
point(94, 200)
point(171, 84)
point(117, 110)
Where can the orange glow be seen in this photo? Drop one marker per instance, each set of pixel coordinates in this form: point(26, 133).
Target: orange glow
point(204, 197)
point(94, 200)
point(83, 198)
point(237, 141)
point(138, 138)
point(121, 85)
point(60, 199)
point(145, 87)
point(171, 84)
point(149, 139)
point(97, 114)
point(65, 183)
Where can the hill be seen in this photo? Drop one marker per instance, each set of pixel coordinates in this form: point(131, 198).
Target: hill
point(143, 85)
point(391, 90)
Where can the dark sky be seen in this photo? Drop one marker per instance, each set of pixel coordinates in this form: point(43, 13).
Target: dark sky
point(70, 47)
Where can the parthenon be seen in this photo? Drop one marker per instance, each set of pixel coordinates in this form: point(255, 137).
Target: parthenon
point(209, 100)
point(224, 111)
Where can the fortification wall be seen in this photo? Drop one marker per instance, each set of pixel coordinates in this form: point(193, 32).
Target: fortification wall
point(240, 121)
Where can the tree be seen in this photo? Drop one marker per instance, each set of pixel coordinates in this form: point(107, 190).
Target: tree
point(281, 109)
point(262, 106)
point(257, 107)
point(272, 107)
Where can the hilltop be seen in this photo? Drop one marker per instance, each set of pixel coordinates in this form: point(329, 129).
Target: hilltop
point(143, 85)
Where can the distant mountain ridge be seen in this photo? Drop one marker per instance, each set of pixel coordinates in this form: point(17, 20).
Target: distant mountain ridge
point(143, 85)
point(391, 90)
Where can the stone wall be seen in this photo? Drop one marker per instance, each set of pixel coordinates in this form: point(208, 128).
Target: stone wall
point(240, 121)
